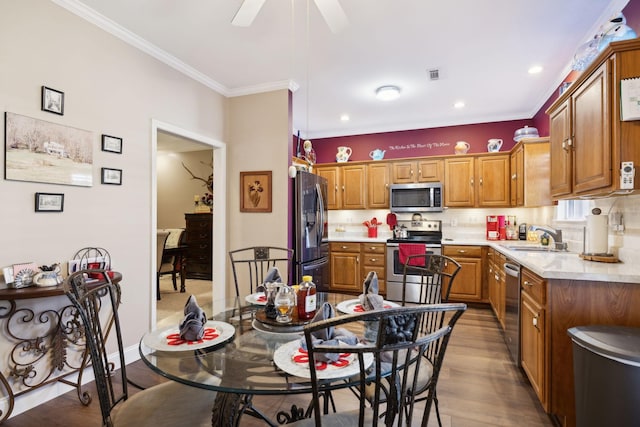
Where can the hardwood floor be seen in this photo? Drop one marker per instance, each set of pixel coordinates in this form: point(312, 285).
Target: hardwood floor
point(479, 387)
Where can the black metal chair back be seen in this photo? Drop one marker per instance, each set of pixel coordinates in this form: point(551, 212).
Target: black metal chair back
point(96, 301)
point(250, 265)
point(433, 273)
point(385, 387)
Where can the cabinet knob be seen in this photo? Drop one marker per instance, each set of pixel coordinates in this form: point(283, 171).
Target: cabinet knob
point(480, 181)
point(373, 260)
point(513, 177)
point(526, 283)
point(344, 247)
point(461, 251)
point(471, 182)
point(497, 277)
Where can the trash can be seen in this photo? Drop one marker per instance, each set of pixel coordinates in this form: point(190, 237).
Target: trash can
point(606, 368)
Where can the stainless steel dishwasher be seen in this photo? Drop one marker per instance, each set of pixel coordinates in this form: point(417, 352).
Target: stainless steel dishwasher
point(512, 309)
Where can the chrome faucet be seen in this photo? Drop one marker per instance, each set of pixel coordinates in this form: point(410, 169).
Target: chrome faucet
point(555, 234)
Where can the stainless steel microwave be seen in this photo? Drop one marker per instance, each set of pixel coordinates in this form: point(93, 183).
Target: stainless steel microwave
point(422, 197)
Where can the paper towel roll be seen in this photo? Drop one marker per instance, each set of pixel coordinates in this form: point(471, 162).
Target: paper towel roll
point(597, 239)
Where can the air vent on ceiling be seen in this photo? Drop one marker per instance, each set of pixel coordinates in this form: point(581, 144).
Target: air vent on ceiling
point(434, 74)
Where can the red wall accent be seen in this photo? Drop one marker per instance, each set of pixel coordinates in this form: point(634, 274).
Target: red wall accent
point(420, 142)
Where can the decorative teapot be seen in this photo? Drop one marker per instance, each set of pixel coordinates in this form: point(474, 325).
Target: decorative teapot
point(462, 147)
point(494, 145)
point(377, 154)
point(343, 154)
point(49, 276)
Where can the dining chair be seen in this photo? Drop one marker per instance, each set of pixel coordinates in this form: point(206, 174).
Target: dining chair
point(434, 275)
point(169, 264)
point(161, 240)
point(250, 265)
point(383, 382)
point(95, 301)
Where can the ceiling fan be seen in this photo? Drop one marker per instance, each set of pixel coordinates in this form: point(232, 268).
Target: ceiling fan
point(331, 11)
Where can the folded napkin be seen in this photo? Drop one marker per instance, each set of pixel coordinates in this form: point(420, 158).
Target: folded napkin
point(329, 336)
point(192, 326)
point(273, 276)
point(369, 298)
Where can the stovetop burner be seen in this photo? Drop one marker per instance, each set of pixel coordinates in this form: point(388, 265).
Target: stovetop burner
point(427, 231)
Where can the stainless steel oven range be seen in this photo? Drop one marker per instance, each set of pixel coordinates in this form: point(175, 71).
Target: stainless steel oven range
point(426, 232)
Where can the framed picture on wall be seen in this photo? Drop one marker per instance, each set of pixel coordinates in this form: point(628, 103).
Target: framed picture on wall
point(112, 144)
point(49, 202)
point(255, 191)
point(111, 176)
point(52, 100)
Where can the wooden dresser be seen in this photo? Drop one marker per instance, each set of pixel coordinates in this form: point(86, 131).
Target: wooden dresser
point(199, 250)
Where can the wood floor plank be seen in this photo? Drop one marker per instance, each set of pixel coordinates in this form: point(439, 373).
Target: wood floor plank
point(479, 387)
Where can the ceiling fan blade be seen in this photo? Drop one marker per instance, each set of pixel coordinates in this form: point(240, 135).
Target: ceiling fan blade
point(247, 12)
point(333, 14)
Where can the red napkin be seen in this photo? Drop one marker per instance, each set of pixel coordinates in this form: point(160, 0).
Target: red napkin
point(408, 249)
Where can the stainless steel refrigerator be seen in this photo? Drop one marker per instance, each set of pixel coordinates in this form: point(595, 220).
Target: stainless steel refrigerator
point(310, 216)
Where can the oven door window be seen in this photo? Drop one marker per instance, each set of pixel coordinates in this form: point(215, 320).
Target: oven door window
point(398, 267)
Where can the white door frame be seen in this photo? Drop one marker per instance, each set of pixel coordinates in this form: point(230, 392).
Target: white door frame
point(219, 237)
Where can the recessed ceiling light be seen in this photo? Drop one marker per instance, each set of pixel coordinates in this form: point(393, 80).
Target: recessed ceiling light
point(344, 118)
point(535, 69)
point(387, 93)
point(458, 104)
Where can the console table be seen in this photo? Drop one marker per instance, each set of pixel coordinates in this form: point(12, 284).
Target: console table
point(42, 343)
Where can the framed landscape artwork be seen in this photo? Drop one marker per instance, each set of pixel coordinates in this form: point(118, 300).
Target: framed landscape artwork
point(111, 176)
point(255, 191)
point(40, 151)
point(49, 202)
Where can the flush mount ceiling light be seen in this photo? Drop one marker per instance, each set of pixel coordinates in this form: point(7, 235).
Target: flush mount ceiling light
point(536, 69)
point(387, 93)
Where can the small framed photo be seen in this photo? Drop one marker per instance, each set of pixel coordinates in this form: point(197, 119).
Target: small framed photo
point(49, 202)
point(111, 176)
point(112, 144)
point(255, 191)
point(52, 100)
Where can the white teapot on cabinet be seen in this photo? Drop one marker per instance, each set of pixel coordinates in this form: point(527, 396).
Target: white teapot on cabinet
point(494, 145)
point(343, 154)
point(377, 154)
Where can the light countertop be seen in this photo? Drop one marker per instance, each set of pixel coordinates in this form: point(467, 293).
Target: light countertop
point(561, 265)
point(548, 265)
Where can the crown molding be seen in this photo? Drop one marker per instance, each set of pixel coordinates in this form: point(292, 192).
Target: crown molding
point(136, 41)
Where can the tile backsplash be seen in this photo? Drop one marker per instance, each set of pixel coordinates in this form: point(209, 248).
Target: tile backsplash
point(470, 223)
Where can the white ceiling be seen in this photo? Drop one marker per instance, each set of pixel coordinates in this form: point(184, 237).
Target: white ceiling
point(483, 49)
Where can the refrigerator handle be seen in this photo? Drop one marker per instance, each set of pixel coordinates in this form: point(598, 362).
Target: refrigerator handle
point(321, 206)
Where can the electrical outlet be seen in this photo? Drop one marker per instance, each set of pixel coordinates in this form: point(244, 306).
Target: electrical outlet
point(454, 222)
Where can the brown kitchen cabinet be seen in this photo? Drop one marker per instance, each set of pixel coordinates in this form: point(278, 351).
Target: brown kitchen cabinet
point(199, 245)
point(373, 259)
point(345, 266)
point(530, 171)
point(412, 171)
point(345, 185)
point(496, 284)
point(588, 140)
point(468, 284)
point(378, 185)
point(351, 262)
point(481, 181)
point(533, 347)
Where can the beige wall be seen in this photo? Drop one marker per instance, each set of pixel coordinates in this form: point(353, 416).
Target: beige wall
point(259, 138)
point(176, 188)
point(112, 88)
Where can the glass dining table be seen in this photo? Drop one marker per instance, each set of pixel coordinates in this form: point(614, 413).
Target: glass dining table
point(239, 364)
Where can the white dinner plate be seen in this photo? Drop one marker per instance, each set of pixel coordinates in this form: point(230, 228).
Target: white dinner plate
point(283, 358)
point(167, 339)
point(259, 298)
point(351, 306)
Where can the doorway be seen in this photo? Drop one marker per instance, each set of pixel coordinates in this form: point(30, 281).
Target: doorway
point(165, 135)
